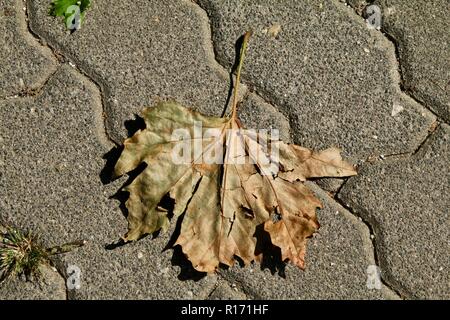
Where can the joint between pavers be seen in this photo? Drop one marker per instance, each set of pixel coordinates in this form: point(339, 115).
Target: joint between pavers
point(395, 288)
point(402, 82)
point(23, 25)
point(431, 132)
point(61, 58)
point(104, 109)
point(249, 293)
point(57, 265)
point(207, 35)
point(220, 281)
point(34, 92)
point(213, 57)
point(56, 55)
point(216, 285)
point(401, 79)
point(401, 155)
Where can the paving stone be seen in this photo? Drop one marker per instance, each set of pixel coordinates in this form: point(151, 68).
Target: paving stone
point(358, 5)
point(421, 31)
point(25, 64)
point(50, 286)
point(51, 149)
point(330, 184)
point(406, 202)
point(336, 263)
point(333, 77)
point(160, 51)
point(225, 291)
point(314, 70)
point(256, 114)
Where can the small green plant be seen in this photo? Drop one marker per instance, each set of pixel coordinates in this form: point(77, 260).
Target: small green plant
point(73, 12)
point(22, 254)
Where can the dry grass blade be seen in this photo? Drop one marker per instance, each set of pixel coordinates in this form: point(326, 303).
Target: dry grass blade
point(21, 253)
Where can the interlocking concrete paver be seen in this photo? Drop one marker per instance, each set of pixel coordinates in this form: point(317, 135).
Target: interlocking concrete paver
point(421, 31)
point(336, 263)
point(51, 149)
point(225, 291)
point(406, 201)
point(314, 70)
point(141, 56)
point(50, 286)
point(333, 77)
point(24, 63)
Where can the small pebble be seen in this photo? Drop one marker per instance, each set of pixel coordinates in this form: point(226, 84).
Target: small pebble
point(396, 109)
point(274, 30)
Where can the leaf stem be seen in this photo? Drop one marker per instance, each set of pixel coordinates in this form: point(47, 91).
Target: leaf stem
point(238, 74)
point(67, 247)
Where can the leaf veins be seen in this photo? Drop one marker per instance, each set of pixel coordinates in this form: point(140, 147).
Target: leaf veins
point(223, 201)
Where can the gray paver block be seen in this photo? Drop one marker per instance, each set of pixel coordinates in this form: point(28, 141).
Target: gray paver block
point(406, 202)
point(330, 184)
point(50, 286)
point(225, 291)
point(256, 114)
point(161, 51)
point(25, 64)
point(51, 149)
point(358, 5)
point(334, 78)
point(333, 81)
point(421, 30)
point(336, 263)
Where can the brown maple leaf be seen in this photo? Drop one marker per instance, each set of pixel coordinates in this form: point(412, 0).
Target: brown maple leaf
point(226, 181)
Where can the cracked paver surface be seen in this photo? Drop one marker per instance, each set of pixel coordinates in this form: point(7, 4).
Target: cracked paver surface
point(314, 70)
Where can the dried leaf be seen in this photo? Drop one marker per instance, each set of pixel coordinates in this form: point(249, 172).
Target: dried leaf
point(229, 182)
